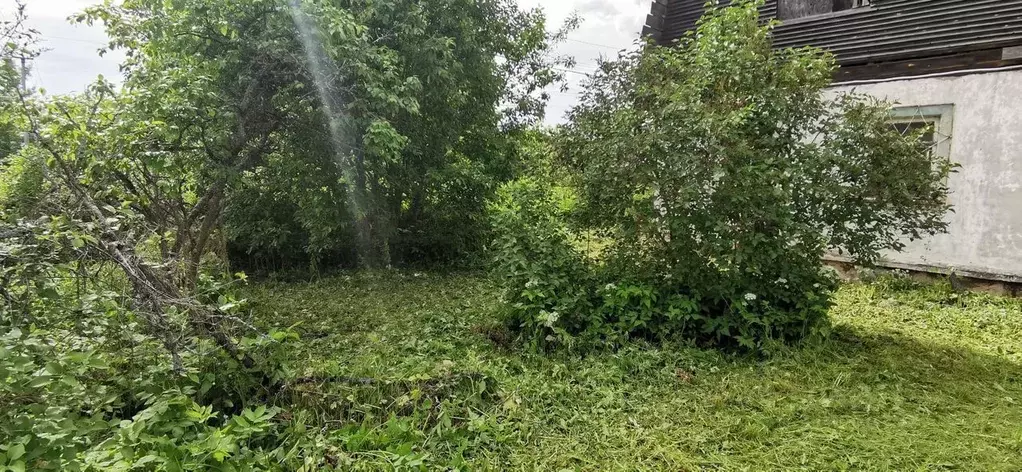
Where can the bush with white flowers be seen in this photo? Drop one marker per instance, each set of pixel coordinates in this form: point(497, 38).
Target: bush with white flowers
point(694, 169)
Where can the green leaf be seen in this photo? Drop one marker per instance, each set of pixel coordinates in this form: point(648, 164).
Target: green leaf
point(15, 452)
point(40, 381)
point(145, 460)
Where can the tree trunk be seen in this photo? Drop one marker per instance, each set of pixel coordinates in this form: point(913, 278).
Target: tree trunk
point(200, 243)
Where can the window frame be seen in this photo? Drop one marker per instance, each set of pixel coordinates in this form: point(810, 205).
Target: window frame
point(942, 116)
point(862, 5)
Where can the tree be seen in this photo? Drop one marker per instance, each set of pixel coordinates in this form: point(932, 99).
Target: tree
point(406, 94)
point(420, 174)
point(208, 89)
point(214, 92)
point(719, 171)
point(16, 41)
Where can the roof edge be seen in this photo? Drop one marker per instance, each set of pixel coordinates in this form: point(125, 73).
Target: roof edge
point(654, 26)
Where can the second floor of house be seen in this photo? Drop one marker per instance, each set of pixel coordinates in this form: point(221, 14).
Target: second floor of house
point(874, 39)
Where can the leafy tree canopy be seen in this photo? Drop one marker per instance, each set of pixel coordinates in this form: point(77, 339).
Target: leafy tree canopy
point(718, 171)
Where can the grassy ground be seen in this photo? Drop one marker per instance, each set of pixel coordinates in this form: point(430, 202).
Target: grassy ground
point(915, 378)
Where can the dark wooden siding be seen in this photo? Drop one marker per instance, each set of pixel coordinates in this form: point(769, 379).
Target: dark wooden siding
point(670, 19)
point(889, 30)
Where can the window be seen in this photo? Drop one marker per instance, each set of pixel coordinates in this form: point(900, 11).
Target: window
point(849, 4)
point(907, 127)
point(793, 9)
point(936, 119)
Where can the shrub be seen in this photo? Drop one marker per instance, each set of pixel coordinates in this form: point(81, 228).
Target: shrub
point(175, 433)
point(543, 274)
point(48, 412)
point(717, 173)
point(22, 183)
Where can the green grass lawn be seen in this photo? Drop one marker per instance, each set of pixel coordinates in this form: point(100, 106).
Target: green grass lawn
point(915, 378)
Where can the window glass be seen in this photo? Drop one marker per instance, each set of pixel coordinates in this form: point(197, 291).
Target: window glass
point(792, 9)
point(936, 119)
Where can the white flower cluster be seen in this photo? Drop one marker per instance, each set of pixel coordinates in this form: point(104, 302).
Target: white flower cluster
point(548, 318)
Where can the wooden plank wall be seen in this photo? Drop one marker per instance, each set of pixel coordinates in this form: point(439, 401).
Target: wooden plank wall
point(887, 38)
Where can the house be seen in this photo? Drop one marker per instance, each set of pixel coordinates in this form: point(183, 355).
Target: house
point(953, 64)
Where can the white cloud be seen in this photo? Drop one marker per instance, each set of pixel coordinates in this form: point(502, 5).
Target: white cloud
point(71, 60)
point(608, 26)
point(599, 8)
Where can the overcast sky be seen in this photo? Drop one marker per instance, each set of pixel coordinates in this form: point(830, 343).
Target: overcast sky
point(71, 60)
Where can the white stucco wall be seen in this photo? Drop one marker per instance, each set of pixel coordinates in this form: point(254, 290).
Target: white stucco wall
point(985, 234)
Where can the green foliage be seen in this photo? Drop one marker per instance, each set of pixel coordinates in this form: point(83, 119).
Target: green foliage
point(425, 140)
point(555, 294)
point(125, 344)
point(16, 41)
point(717, 173)
point(175, 433)
point(10, 129)
point(399, 392)
point(61, 412)
point(138, 355)
point(908, 381)
point(84, 388)
point(22, 186)
point(15, 38)
point(544, 274)
point(387, 155)
point(52, 405)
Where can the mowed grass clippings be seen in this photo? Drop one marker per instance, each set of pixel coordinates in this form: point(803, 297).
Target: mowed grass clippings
point(916, 377)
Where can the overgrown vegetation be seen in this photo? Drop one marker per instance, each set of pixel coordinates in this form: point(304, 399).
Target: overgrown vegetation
point(683, 206)
point(915, 377)
point(716, 174)
point(124, 346)
point(402, 370)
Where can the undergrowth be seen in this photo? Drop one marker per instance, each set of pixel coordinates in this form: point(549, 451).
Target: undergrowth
point(406, 370)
